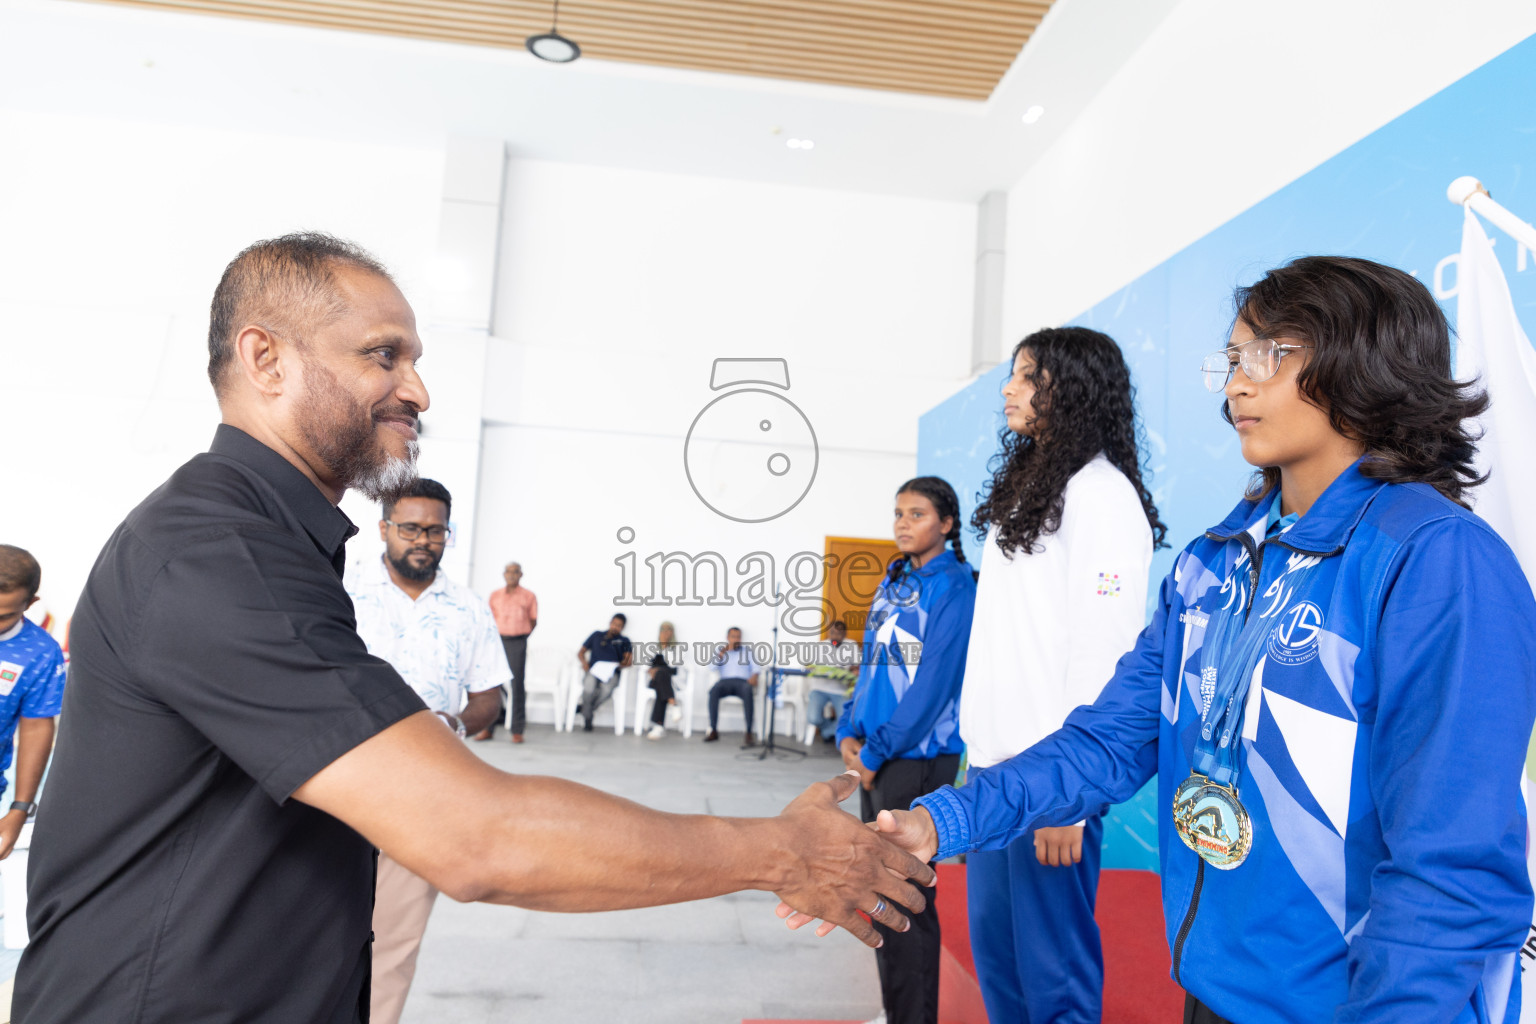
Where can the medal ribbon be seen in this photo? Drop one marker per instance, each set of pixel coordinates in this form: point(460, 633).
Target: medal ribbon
point(1234, 643)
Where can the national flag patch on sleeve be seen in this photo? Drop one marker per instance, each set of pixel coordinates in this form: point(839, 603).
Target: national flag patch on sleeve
point(1109, 584)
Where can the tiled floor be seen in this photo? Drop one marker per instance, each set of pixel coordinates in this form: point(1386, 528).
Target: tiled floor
point(717, 961)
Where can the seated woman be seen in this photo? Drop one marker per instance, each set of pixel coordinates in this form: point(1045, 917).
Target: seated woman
point(662, 672)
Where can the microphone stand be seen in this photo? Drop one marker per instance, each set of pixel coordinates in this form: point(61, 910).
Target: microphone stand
point(770, 705)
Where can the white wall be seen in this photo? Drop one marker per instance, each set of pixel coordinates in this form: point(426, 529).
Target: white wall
point(112, 237)
point(1223, 104)
point(618, 290)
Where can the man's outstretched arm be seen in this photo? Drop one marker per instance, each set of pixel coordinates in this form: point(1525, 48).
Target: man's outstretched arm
point(547, 844)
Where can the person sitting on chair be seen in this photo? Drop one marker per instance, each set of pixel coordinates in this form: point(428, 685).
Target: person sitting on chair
point(603, 655)
point(662, 672)
point(738, 678)
point(831, 682)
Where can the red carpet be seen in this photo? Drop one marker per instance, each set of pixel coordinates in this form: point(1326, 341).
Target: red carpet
point(1137, 989)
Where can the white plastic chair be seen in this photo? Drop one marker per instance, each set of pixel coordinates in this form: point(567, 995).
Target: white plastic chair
point(546, 676)
point(645, 697)
point(573, 697)
point(794, 690)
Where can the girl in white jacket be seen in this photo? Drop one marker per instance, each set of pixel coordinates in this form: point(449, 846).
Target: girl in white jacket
point(1070, 529)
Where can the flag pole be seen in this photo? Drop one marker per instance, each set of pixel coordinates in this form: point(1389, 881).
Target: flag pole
point(1469, 192)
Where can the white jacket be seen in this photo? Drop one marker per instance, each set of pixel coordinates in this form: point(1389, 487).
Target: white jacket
point(1049, 626)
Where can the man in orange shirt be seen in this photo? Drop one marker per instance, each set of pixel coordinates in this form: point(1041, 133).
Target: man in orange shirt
point(517, 613)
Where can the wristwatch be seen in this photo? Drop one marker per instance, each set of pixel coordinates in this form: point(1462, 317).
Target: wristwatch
point(454, 722)
point(30, 806)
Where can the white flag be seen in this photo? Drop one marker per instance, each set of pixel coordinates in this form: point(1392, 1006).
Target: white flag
point(1493, 348)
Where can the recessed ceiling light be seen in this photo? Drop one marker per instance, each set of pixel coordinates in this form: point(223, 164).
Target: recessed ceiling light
point(1033, 114)
point(551, 45)
point(800, 143)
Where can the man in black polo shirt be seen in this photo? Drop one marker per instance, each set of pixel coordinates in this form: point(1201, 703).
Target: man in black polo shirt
point(230, 755)
point(603, 655)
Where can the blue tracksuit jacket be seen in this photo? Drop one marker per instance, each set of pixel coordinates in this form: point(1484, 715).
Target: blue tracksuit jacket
point(912, 711)
point(1381, 756)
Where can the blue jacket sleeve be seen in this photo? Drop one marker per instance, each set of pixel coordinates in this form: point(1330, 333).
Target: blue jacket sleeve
point(1102, 755)
point(1455, 659)
point(946, 637)
point(845, 718)
point(847, 728)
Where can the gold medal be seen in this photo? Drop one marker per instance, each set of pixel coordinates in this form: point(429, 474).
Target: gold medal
point(1213, 822)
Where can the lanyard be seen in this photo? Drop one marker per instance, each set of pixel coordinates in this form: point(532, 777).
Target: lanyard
point(1229, 659)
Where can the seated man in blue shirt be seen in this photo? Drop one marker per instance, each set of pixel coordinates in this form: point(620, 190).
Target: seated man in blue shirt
point(603, 655)
point(31, 689)
point(738, 678)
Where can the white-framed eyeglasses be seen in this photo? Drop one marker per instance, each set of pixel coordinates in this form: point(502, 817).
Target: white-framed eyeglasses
point(1259, 358)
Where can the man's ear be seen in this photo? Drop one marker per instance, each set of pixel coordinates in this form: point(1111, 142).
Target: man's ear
point(263, 359)
point(383, 530)
point(31, 602)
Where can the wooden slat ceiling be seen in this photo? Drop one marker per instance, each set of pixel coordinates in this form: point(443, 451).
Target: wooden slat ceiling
point(954, 48)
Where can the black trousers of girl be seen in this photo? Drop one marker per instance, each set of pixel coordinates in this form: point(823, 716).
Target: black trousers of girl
point(909, 961)
point(662, 684)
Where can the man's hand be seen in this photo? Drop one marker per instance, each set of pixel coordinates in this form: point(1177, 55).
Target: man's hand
point(844, 868)
point(10, 831)
point(1058, 847)
point(481, 710)
point(911, 830)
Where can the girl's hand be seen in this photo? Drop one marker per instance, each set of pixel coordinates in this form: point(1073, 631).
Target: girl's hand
point(1058, 847)
point(850, 748)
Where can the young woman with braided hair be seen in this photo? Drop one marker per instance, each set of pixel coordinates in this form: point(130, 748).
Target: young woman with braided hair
point(900, 729)
point(1070, 529)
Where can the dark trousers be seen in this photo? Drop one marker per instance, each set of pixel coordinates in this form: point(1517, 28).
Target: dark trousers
point(517, 658)
point(909, 961)
point(730, 688)
point(1196, 1012)
point(1033, 935)
point(662, 684)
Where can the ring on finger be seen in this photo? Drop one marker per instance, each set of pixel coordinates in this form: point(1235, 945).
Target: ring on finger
point(879, 908)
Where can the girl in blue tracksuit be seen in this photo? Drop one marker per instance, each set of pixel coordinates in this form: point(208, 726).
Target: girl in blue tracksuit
point(1335, 692)
point(900, 729)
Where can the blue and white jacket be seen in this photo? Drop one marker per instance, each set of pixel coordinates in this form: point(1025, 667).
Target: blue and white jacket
point(1382, 749)
point(904, 707)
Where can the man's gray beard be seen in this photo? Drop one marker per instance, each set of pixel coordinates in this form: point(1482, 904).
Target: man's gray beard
point(387, 480)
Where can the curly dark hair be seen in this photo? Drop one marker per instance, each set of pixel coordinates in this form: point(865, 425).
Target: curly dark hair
point(1085, 405)
point(1380, 365)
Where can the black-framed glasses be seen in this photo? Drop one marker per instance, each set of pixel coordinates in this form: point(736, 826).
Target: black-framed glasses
point(1259, 358)
point(415, 531)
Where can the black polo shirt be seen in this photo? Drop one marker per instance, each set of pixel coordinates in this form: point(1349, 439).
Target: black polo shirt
point(215, 667)
point(601, 647)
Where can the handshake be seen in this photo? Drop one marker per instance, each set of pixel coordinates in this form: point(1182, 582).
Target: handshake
point(893, 852)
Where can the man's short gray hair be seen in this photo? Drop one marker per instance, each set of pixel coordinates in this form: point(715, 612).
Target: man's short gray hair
point(285, 285)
